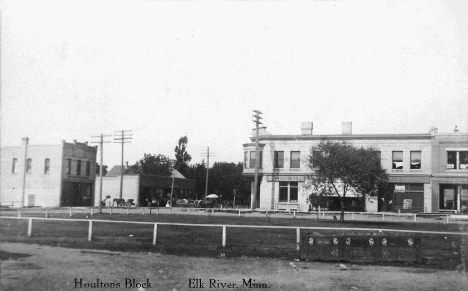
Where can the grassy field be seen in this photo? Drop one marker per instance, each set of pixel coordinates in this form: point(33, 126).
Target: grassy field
point(442, 251)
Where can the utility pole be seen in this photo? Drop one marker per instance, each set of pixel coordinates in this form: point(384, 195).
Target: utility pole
point(207, 154)
point(125, 137)
point(253, 199)
point(101, 143)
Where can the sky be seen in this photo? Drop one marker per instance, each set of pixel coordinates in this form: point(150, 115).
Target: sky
point(165, 69)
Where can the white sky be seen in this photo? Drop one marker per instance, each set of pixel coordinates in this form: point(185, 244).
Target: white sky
point(164, 69)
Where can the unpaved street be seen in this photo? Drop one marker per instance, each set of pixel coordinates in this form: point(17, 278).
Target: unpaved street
point(34, 267)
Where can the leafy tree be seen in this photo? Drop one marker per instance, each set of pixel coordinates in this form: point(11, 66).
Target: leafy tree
point(340, 168)
point(197, 172)
point(182, 157)
point(224, 178)
point(153, 165)
point(98, 168)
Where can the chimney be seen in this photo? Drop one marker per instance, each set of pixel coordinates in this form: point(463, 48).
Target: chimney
point(456, 129)
point(307, 128)
point(261, 131)
point(346, 128)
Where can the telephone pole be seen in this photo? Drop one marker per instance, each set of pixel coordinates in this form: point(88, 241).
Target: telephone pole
point(124, 137)
point(253, 199)
point(101, 143)
point(207, 155)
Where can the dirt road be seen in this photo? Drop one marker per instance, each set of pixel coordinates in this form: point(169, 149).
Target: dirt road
point(35, 267)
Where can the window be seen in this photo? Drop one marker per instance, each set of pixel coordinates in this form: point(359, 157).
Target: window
point(246, 159)
point(397, 160)
point(28, 166)
point(68, 169)
point(457, 160)
point(288, 191)
point(88, 168)
point(78, 167)
point(415, 160)
point(14, 165)
point(316, 155)
point(295, 159)
point(46, 166)
point(279, 160)
point(252, 160)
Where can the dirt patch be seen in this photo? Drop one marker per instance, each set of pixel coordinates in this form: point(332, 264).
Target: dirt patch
point(66, 268)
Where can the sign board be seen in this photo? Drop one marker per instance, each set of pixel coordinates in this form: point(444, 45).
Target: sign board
point(399, 187)
point(409, 179)
point(407, 203)
point(285, 178)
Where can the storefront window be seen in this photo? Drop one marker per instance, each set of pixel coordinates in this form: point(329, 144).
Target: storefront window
point(409, 197)
point(288, 192)
point(448, 197)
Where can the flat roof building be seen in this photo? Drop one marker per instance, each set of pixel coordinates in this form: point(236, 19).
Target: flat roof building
point(429, 171)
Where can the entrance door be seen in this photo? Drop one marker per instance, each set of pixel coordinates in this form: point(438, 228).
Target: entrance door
point(31, 200)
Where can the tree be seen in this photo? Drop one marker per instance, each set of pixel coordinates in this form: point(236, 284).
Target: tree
point(153, 165)
point(98, 168)
point(182, 157)
point(227, 177)
point(197, 173)
point(340, 169)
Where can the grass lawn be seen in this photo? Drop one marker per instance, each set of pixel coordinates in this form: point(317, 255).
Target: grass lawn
point(443, 251)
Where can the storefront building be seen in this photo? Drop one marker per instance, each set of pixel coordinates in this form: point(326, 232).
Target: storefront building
point(409, 160)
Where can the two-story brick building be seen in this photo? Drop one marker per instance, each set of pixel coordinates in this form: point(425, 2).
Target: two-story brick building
point(48, 175)
point(423, 168)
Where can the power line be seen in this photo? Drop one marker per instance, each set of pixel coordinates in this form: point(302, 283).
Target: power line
point(253, 199)
point(101, 143)
point(124, 137)
point(207, 155)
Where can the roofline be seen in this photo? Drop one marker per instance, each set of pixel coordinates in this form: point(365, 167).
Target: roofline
point(425, 136)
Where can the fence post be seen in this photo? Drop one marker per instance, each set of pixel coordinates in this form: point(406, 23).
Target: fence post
point(30, 227)
point(110, 213)
point(157, 211)
point(239, 212)
point(128, 211)
point(143, 211)
point(90, 230)
point(155, 233)
point(353, 215)
point(19, 212)
point(92, 211)
point(71, 212)
point(149, 210)
point(170, 210)
point(224, 236)
point(47, 213)
point(188, 210)
point(383, 216)
point(415, 219)
point(294, 215)
point(323, 215)
point(399, 212)
point(447, 219)
point(298, 239)
point(212, 210)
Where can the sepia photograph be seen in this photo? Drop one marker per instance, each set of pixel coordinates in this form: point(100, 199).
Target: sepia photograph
point(233, 145)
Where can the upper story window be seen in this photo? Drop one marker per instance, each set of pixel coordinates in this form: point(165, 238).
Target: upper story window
point(68, 169)
point(253, 160)
point(415, 157)
point(288, 191)
point(295, 160)
point(29, 166)
point(14, 165)
point(246, 159)
point(397, 160)
point(78, 167)
point(46, 166)
point(278, 160)
point(88, 168)
point(457, 160)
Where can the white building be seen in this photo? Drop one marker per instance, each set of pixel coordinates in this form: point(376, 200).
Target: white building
point(410, 161)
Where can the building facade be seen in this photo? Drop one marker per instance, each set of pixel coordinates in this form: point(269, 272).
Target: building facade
point(48, 175)
point(422, 168)
point(143, 188)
